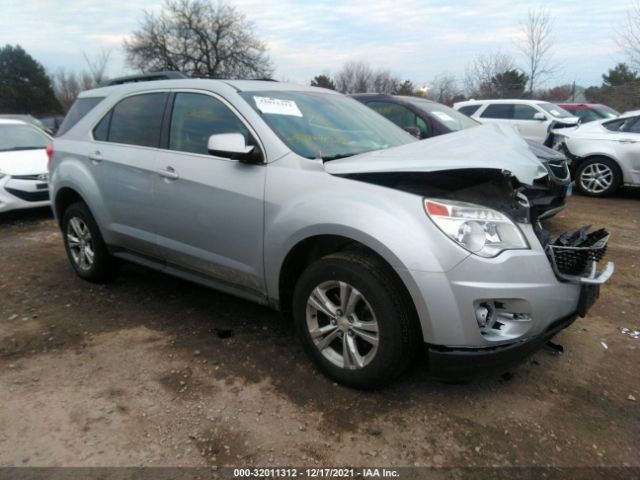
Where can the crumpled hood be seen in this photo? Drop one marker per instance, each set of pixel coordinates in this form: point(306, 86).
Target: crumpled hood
point(488, 146)
point(24, 162)
point(544, 153)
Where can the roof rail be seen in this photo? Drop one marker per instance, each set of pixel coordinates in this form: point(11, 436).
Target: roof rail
point(144, 77)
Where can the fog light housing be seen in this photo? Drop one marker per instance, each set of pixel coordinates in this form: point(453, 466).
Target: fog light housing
point(484, 315)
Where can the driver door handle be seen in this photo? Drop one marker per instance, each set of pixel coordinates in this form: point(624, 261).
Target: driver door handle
point(169, 173)
point(627, 140)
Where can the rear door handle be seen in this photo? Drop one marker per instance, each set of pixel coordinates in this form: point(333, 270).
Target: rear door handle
point(169, 173)
point(627, 140)
point(96, 157)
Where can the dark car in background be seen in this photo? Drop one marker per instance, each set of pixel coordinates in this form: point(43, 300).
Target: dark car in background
point(425, 119)
point(588, 112)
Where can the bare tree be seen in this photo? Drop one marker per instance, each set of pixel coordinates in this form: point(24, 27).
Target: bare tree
point(199, 38)
point(444, 88)
point(98, 64)
point(67, 85)
point(384, 81)
point(482, 69)
point(356, 76)
point(629, 35)
point(537, 46)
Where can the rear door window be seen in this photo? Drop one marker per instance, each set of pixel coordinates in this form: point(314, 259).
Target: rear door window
point(136, 120)
point(498, 110)
point(78, 110)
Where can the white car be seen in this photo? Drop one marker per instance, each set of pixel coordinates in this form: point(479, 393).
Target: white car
point(23, 166)
point(532, 118)
point(605, 154)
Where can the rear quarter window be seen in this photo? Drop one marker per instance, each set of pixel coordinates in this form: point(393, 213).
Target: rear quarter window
point(77, 112)
point(469, 110)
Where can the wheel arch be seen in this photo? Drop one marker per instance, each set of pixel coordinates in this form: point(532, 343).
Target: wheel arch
point(578, 161)
point(65, 197)
point(312, 248)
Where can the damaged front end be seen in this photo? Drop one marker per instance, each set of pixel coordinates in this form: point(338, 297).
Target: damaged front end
point(574, 257)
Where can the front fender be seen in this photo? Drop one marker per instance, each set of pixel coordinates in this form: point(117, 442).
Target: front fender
point(582, 148)
point(307, 202)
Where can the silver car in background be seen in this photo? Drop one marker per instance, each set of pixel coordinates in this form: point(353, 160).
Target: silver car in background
point(605, 154)
point(375, 244)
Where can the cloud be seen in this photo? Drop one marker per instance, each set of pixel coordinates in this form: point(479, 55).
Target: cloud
point(415, 39)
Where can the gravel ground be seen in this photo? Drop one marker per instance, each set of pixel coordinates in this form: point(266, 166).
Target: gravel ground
point(151, 370)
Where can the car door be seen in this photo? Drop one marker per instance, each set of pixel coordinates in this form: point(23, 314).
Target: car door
point(209, 210)
point(528, 126)
point(122, 160)
point(627, 146)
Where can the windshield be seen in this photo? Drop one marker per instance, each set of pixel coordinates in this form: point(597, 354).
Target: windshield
point(555, 110)
point(606, 112)
point(21, 137)
point(451, 118)
point(315, 124)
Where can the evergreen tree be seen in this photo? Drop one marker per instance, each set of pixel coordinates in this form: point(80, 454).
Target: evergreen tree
point(323, 81)
point(24, 85)
point(406, 88)
point(621, 74)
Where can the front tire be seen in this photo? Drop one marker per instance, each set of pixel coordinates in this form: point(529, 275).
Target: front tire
point(85, 247)
point(598, 177)
point(355, 320)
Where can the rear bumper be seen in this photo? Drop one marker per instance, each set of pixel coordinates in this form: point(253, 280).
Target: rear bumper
point(465, 363)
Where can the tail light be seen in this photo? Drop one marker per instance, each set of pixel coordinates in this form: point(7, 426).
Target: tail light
point(49, 155)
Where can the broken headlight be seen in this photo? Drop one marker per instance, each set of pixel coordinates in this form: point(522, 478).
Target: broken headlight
point(480, 230)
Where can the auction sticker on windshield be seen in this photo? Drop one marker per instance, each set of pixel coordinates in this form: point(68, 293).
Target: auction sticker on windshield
point(277, 106)
point(443, 116)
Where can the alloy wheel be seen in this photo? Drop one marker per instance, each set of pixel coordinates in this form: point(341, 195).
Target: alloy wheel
point(342, 325)
point(80, 243)
point(596, 178)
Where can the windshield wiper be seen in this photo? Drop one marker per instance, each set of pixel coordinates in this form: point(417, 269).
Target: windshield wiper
point(328, 158)
point(15, 149)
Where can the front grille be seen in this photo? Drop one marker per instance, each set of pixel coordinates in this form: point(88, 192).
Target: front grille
point(573, 254)
point(41, 177)
point(40, 196)
point(559, 168)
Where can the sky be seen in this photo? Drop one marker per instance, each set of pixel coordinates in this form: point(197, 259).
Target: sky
point(415, 39)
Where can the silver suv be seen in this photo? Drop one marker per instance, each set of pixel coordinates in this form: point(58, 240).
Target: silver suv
point(375, 244)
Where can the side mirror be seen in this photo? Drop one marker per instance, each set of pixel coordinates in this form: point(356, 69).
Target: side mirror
point(232, 145)
point(415, 131)
point(539, 116)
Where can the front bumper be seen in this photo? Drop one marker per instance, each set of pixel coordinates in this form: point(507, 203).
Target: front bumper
point(465, 363)
point(23, 192)
point(519, 290)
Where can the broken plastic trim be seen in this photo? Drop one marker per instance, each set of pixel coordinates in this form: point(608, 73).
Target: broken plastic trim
point(574, 256)
point(491, 188)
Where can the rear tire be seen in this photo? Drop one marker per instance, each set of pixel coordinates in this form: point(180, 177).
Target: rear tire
point(598, 177)
point(85, 247)
point(368, 313)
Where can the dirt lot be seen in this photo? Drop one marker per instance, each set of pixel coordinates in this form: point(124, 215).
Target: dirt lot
point(151, 370)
